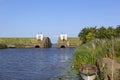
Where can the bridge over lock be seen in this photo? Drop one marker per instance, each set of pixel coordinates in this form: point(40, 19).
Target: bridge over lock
point(41, 42)
point(68, 42)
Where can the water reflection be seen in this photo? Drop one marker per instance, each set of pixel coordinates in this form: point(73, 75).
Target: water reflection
point(63, 58)
point(33, 64)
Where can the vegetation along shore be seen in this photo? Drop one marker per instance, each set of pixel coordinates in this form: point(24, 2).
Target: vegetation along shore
point(100, 47)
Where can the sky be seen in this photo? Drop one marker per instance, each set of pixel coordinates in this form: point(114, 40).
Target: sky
point(26, 18)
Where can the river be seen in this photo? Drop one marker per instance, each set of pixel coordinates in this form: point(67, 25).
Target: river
point(34, 63)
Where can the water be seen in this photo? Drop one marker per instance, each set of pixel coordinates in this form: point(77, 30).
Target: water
point(34, 63)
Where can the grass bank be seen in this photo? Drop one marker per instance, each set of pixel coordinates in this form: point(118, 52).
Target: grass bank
point(19, 42)
point(3, 46)
point(90, 52)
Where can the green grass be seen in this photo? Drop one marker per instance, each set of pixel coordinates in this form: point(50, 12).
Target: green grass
point(19, 42)
point(71, 41)
point(88, 53)
point(3, 46)
point(84, 54)
point(74, 40)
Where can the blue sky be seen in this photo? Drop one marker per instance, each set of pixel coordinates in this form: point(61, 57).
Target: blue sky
point(25, 18)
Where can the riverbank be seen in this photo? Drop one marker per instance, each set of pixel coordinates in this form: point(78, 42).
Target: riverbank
point(26, 42)
point(3, 46)
point(17, 42)
point(95, 52)
point(71, 42)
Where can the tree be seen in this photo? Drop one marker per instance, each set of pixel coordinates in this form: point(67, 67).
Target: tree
point(117, 31)
point(101, 33)
point(91, 33)
point(110, 32)
point(82, 35)
point(87, 34)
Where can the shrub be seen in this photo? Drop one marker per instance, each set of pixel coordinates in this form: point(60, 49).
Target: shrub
point(2, 46)
point(88, 53)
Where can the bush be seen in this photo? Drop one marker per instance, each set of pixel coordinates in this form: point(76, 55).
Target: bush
point(88, 53)
point(2, 46)
point(84, 54)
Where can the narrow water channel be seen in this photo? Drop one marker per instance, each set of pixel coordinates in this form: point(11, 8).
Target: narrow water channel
point(34, 63)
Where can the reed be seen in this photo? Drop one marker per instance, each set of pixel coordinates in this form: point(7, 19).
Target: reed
point(87, 53)
point(84, 54)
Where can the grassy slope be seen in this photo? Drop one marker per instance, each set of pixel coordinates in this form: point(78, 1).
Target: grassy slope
point(71, 40)
point(87, 53)
point(19, 41)
point(29, 41)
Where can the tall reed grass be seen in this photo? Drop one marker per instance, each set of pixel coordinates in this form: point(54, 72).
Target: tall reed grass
point(89, 52)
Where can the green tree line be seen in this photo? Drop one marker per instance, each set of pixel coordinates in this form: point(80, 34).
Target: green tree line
point(90, 33)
